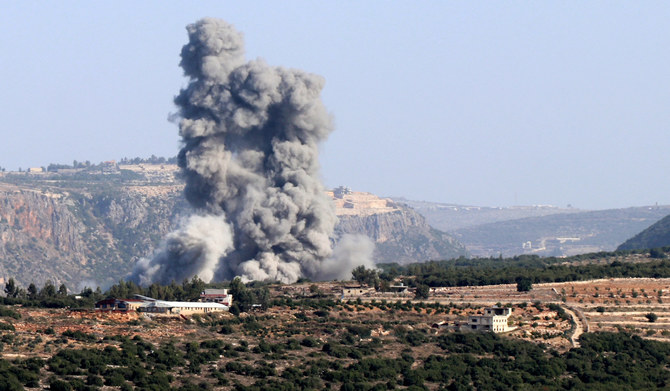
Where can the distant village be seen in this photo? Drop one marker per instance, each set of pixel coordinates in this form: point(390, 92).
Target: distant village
point(152, 166)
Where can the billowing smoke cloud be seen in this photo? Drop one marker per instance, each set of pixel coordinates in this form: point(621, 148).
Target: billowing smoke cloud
point(193, 249)
point(351, 251)
point(250, 136)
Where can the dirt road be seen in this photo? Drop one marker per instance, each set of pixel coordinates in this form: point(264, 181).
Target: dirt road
point(580, 326)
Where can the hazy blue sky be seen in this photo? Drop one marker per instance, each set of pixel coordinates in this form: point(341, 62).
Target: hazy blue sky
point(489, 103)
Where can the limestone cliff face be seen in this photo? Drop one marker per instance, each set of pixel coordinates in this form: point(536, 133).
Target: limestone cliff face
point(80, 237)
point(36, 228)
point(383, 227)
point(29, 215)
point(89, 230)
point(401, 236)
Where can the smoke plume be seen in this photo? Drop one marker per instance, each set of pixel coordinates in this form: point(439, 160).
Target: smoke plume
point(250, 135)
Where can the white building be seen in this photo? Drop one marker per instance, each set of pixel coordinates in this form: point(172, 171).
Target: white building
point(181, 307)
point(151, 305)
point(494, 319)
point(217, 296)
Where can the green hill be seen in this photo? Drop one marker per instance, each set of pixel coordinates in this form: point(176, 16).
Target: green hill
point(657, 235)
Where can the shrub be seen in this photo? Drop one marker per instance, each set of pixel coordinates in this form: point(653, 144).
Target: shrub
point(94, 380)
point(115, 379)
point(226, 329)
point(524, 284)
point(309, 342)
point(79, 336)
point(10, 313)
point(59, 385)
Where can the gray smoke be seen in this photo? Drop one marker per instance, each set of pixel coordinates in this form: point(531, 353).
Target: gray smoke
point(250, 136)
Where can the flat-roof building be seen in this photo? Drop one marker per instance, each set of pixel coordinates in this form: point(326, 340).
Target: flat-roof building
point(122, 305)
point(181, 307)
point(150, 305)
point(216, 296)
point(494, 319)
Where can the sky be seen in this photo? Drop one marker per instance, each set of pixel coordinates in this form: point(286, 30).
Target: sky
point(473, 103)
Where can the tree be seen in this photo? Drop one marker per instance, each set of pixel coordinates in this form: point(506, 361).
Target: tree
point(85, 292)
point(32, 291)
point(241, 295)
point(11, 290)
point(365, 276)
point(656, 253)
point(193, 288)
point(651, 317)
point(422, 291)
point(62, 290)
point(49, 290)
point(244, 297)
point(384, 286)
point(524, 284)
point(237, 288)
point(390, 274)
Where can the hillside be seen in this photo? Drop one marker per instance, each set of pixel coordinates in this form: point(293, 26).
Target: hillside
point(88, 227)
point(325, 343)
point(82, 229)
point(400, 233)
point(559, 234)
point(658, 235)
point(451, 217)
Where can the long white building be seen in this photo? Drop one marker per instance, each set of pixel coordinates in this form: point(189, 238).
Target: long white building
point(151, 305)
point(181, 307)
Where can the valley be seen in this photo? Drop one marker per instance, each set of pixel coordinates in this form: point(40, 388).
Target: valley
point(542, 230)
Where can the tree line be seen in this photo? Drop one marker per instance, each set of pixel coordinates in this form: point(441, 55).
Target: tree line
point(530, 268)
point(245, 296)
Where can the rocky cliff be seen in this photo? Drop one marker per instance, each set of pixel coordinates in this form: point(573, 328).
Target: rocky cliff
point(402, 236)
point(400, 233)
point(85, 235)
point(87, 228)
point(35, 229)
